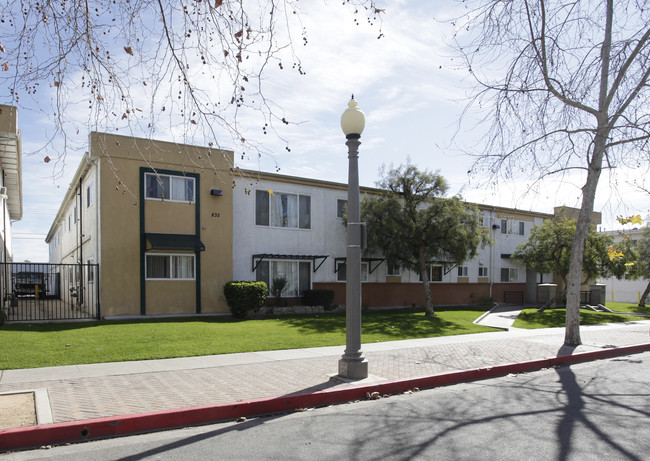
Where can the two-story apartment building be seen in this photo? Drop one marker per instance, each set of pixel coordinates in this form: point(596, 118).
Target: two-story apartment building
point(157, 218)
point(292, 228)
point(170, 224)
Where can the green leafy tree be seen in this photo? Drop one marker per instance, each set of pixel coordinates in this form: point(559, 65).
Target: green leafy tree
point(548, 249)
point(412, 224)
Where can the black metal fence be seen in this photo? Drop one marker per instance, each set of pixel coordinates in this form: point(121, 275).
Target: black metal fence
point(31, 291)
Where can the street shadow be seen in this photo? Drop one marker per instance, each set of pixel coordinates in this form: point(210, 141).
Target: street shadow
point(244, 425)
point(412, 430)
point(574, 415)
point(566, 407)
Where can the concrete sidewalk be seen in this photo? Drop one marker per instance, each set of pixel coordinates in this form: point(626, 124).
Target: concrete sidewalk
point(77, 394)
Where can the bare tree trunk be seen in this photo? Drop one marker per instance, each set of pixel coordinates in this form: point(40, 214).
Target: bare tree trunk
point(644, 296)
point(574, 279)
point(572, 332)
point(424, 273)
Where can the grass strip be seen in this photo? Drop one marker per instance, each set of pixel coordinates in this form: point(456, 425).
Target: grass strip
point(550, 318)
point(55, 344)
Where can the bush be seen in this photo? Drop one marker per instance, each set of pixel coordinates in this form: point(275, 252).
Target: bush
point(319, 298)
point(244, 297)
point(486, 301)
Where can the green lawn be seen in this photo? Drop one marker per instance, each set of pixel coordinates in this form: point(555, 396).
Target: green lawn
point(41, 345)
point(626, 307)
point(530, 318)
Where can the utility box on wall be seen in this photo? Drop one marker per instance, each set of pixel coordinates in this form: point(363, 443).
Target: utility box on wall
point(545, 292)
point(597, 294)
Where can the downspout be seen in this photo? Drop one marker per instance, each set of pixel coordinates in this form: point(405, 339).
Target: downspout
point(81, 244)
point(5, 284)
point(492, 229)
point(98, 235)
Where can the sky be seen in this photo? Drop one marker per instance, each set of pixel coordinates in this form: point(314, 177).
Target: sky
point(411, 89)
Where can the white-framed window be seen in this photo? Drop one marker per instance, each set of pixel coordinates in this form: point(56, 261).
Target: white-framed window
point(69, 222)
point(341, 206)
point(483, 271)
point(509, 274)
point(341, 273)
point(486, 220)
point(90, 194)
point(168, 187)
point(76, 213)
point(435, 273)
point(463, 271)
point(279, 209)
point(296, 276)
point(509, 226)
point(161, 266)
point(393, 270)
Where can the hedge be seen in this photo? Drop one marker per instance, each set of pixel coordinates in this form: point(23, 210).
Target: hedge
point(244, 297)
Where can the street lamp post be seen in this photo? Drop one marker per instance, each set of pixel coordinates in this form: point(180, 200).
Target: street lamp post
point(353, 364)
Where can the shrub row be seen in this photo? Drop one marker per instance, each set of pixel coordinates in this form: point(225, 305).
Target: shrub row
point(323, 298)
point(249, 297)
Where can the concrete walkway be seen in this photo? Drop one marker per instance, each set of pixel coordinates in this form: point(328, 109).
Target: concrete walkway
point(501, 316)
point(84, 392)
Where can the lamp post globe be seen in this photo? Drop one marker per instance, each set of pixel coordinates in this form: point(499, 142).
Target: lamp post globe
point(353, 364)
point(353, 120)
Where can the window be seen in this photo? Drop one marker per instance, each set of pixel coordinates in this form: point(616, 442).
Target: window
point(341, 207)
point(512, 227)
point(435, 274)
point(170, 266)
point(486, 220)
point(297, 275)
point(509, 274)
point(341, 273)
point(279, 209)
point(482, 271)
point(70, 222)
point(393, 270)
point(463, 271)
point(90, 194)
point(76, 213)
point(167, 187)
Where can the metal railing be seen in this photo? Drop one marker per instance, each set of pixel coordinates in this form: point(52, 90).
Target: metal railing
point(35, 291)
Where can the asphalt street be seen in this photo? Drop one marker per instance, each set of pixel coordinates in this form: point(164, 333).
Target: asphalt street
point(588, 411)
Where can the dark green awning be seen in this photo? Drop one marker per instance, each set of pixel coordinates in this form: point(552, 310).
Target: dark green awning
point(174, 242)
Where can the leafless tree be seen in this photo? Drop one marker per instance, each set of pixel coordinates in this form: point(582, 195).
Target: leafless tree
point(194, 68)
point(563, 86)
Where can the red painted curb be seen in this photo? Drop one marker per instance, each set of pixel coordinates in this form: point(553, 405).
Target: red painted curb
point(99, 428)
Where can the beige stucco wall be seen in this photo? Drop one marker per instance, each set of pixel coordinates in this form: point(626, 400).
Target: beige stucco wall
point(119, 188)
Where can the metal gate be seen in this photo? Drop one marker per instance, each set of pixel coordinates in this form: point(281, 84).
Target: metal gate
point(33, 291)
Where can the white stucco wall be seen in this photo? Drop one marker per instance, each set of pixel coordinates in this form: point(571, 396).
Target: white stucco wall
point(625, 291)
point(327, 235)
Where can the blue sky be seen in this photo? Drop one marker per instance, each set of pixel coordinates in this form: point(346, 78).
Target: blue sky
point(407, 83)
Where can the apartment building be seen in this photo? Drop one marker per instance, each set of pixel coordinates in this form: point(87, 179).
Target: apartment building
point(170, 224)
point(157, 218)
